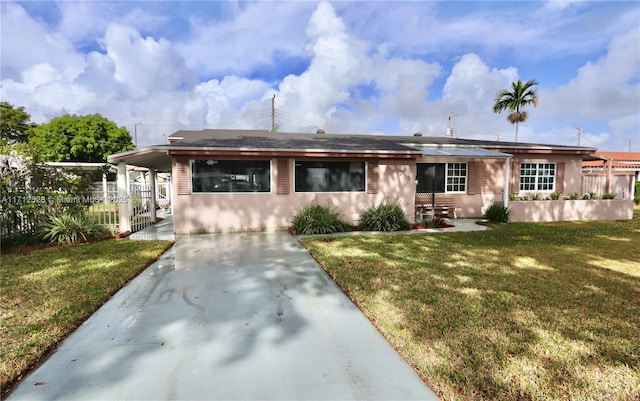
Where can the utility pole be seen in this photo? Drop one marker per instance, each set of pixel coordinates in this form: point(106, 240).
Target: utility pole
point(135, 135)
point(579, 134)
point(629, 144)
point(273, 113)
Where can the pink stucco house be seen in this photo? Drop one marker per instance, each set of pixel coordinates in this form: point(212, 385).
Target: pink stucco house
point(247, 180)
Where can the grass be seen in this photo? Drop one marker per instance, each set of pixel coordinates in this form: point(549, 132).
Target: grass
point(46, 294)
point(525, 311)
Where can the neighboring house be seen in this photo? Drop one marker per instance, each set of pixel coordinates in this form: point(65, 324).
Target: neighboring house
point(235, 180)
point(611, 172)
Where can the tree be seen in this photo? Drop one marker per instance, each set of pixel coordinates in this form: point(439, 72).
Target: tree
point(88, 138)
point(14, 124)
point(520, 96)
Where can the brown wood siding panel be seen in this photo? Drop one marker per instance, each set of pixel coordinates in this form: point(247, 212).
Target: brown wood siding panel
point(373, 177)
point(490, 176)
point(183, 177)
point(560, 177)
point(472, 178)
point(283, 171)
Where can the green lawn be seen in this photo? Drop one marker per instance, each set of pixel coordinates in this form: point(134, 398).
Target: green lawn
point(46, 294)
point(525, 311)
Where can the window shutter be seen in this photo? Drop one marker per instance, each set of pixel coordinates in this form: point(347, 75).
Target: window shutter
point(472, 178)
point(515, 177)
point(283, 176)
point(373, 172)
point(182, 176)
point(560, 177)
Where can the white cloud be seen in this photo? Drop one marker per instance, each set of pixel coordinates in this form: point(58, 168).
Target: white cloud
point(258, 35)
point(607, 88)
point(27, 42)
point(360, 68)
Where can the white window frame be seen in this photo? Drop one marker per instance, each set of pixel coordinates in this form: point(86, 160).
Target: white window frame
point(447, 184)
point(539, 179)
point(447, 177)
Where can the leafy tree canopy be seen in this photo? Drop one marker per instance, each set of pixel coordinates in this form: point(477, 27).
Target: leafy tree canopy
point(14, 124)
point(88, 138)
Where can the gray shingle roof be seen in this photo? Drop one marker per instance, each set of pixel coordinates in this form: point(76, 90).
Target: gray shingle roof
point(265, 140)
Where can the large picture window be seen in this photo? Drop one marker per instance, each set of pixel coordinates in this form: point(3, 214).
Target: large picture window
point(441, 177)
point(317, 176)
point(537, 176)
point(231, 176)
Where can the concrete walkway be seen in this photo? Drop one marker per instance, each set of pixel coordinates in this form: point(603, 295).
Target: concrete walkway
point(247, 316)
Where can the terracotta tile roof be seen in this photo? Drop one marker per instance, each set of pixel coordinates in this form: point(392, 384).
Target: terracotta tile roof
point(620, 160)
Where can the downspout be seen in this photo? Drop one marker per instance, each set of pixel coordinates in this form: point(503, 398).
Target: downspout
point(507, 178)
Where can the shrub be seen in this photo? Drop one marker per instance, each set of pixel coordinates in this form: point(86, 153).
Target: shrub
point(513, 196)
point(497, 213)
point(591, 195)
point(535, 196)
point(608, 195)
point(555, 195)
point(573, 195)
point(435, 221)
point(70, 228)
point(636, 197)
point(384, 217)
point(316, 219)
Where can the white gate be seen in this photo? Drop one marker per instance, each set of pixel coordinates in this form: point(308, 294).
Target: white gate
point(140, 206)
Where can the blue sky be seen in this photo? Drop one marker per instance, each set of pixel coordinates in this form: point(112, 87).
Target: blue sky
point(347, 67)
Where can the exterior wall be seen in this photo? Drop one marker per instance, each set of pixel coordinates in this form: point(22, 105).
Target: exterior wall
point(394, 180)
point(222, 212)
point(562, 210)
point(568, 171)
point(485, 183)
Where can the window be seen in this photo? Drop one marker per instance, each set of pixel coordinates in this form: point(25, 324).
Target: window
point(441, 177)
point(456, 177)
point(231, 176)
point(319, 176)
point(537, 176)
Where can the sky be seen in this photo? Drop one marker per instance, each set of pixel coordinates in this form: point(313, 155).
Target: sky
point(347, 67)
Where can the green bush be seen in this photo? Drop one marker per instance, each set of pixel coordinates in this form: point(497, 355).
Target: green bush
point(535, 196)
point(316, 219)
point(591, 195)
point(608, 195)
point(497, 213)
point(573, 195)
point(636, 197)
point(71, 228)
point(384, 217)
point(435, 221)
point(555, 195)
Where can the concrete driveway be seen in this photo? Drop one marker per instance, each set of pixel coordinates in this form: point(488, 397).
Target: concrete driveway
point(246, 316)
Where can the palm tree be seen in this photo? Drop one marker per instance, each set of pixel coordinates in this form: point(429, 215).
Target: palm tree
point(514, 100)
